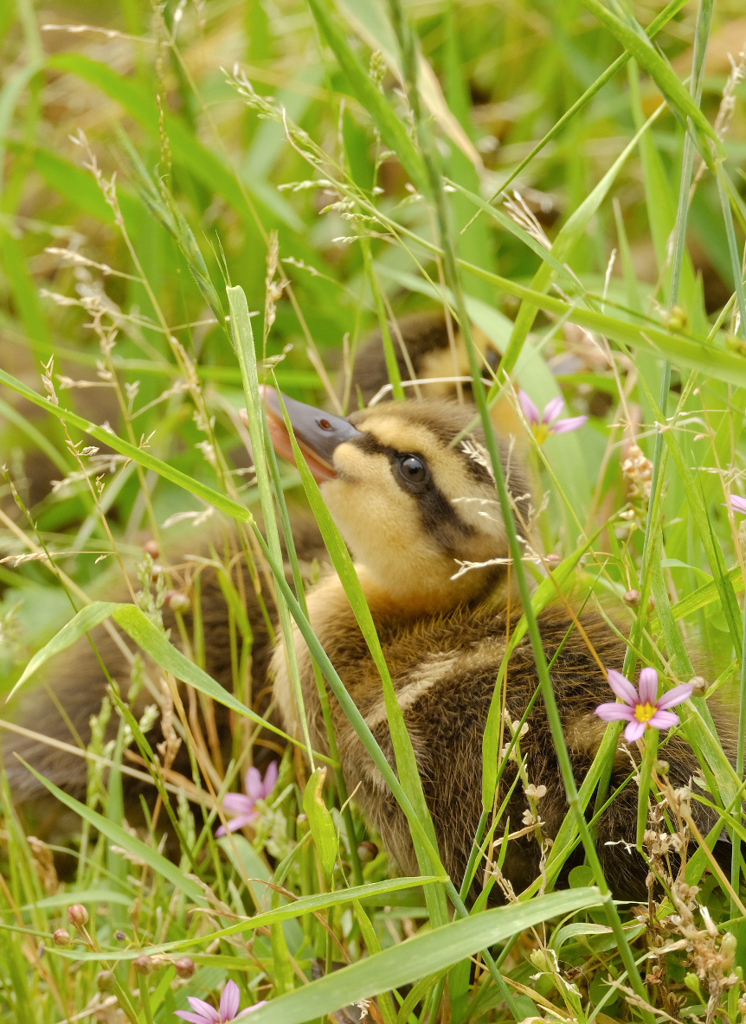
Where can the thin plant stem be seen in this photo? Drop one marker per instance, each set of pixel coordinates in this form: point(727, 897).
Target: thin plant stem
point(454, 281)
point(660, 452)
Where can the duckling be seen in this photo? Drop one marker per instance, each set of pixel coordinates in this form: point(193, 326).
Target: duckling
point(62, 711)
point(431, 356)
point(411, 491)
point(425, 351)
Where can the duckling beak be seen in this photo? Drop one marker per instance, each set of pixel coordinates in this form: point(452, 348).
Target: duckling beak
point(318, 433)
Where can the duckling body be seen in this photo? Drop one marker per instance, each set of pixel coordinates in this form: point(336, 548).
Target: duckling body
point(77, 683)
point(443, 668)
point(412, 506)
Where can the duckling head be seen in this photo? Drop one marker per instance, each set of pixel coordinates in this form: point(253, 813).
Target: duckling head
point(410, 487)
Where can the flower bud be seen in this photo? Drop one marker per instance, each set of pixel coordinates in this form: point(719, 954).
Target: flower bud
point(367, 851)
point(700, 685)
point(152, 548)
point(632, 597)
point(185, 968)
point(106, 981)
point(143, 964)
point(545, 960)
point(677, 319)
point(178, 601)
point(728, 946)
point(77, 915)
point(62, 937)
point(120, 936)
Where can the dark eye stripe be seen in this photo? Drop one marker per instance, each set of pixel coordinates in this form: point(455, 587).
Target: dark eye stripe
point(439, 517)
point(372, 446)
point(441, 520)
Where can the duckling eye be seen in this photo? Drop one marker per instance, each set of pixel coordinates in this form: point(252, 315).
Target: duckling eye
point(413, 471)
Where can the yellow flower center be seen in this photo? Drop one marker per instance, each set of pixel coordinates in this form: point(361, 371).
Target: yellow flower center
point(541, 432)
point(644, 712)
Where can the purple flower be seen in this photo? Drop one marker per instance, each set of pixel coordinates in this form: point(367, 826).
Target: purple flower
point(543, 425)
point(206, 1014)
point(738, 504)
point(257, 788)
point(644, 709)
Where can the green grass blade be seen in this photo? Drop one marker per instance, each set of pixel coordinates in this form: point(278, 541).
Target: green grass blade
point(159, 864)
point(243, 341)
point(388, 123)
point(702, 597)
point(681, 349)
point(632, 37)
point(201, 161)
point(139, 455)
point(374, 894)
point(424, 955)
point(321, 821)
point(566, 240)
point(86, 619)
point(153, 641)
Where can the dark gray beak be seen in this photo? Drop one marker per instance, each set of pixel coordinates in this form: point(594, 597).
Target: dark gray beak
point(318, 433)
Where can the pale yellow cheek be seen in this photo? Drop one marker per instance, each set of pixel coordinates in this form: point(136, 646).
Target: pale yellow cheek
point(369, 513)
point(380, 525)
point(361, 466)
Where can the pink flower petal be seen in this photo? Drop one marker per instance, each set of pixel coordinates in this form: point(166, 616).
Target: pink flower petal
point(676, 696)
point(207, 1011)
point(241, 821)
point(622, 687)
point(243, 1013)
point(648, 686)
point(614, 712)
point(739, 504)
point(664, 719)
point(229, 1001)
point(553, 409)
point(530, 411)
point(195, 1018)
point(237, 803)
point(572, 423)
point(270, 778)
point(634, 731)
point(206, 1014)
point(253, 784)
